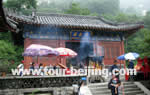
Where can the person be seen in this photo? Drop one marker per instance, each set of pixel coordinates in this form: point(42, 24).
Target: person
point(36, 66)
point(131, 64)
point(80, 90)
point(113, 67)
point(21, 68)
point(113, 84)
point(41, 68)
point(31, 67)
point(54, 67)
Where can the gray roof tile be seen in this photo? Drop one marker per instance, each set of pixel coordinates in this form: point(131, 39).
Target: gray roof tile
point(75, 21)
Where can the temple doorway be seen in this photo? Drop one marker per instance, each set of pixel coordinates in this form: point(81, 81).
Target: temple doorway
point(83, 50)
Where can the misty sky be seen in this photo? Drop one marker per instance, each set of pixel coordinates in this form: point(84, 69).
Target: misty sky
point(140, 7)
point(145, 4)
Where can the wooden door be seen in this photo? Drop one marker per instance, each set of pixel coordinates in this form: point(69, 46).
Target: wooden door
point(111, 51)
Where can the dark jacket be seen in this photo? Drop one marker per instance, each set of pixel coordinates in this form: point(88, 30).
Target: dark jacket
point(112, 87)
point(131, 65)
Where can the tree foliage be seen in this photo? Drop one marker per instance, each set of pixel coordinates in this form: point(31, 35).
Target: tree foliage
point(21, 4)
point(24, 6)
point(76, 9)
point(94, 6)
point(146, 20)
point(102, 6)
point(140, 42)
point(7, 50)
point(9, 53)
point(122, 18)
point(52, 7)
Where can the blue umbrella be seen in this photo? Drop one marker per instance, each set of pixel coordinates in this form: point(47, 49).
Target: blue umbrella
point(121, 57)
point(128, 56)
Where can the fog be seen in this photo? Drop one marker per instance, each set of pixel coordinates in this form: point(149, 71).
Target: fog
point(145, 4)
point(135, 6)
point(138, 4)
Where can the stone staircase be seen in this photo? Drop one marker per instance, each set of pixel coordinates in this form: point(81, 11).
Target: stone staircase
point(102, 89)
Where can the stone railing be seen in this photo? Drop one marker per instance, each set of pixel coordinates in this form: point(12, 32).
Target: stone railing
point(17, 82)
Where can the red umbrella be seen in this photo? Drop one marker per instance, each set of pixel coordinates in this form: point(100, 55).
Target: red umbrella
point(66, 52)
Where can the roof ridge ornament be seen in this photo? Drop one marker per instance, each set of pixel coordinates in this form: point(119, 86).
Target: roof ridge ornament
point(33, 14)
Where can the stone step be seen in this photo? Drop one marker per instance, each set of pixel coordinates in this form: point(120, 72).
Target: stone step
point(119, 94)
point(130, 88)
point(106, 86)
point(127, 83)
point(125, 93)
point(109, 91)
point(125, 89)
point(141, 94)
point(133, 92)
point(103, 94)
point(106, 83)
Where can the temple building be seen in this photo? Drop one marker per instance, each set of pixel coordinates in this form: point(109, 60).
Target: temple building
point(87, 35)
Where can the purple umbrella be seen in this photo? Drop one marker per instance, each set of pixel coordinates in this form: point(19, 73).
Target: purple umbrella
point(39, 50)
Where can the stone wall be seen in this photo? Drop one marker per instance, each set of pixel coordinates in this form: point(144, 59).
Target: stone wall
point(32, 91)
point(56, 85)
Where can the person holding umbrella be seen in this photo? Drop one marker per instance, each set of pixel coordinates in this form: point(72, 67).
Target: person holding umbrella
point(129, 56)
point(130, 64)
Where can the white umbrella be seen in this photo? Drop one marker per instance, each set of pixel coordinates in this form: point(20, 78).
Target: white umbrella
point(131, 56)
point(66, 52)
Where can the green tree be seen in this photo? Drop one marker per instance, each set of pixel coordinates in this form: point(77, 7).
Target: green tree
point(76, 9)
point(146, 44)
point(9, 53)
point(52, 7)
point(21, 5)
point(147, 20)
point(7, 50)
point(139, 42)
point(101, 6)
point(122, 18)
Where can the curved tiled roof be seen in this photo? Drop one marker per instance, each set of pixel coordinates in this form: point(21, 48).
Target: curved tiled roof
point(5, 24)
point(74, 21)
point(12, 19)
